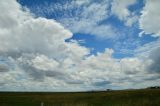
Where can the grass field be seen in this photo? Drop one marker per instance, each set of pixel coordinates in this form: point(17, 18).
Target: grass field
point(145, 97)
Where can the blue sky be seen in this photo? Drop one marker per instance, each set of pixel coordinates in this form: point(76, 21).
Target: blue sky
point(127, 38)
point(79, 45)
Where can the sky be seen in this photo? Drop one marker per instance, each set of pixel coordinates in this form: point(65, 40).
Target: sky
point(79, 45)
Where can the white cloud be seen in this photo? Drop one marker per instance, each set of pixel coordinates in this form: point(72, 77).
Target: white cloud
point(42, 62)
point(9, 18)
point(27, 36)
point(150, 17)
point(81, 2)
point(120, 9)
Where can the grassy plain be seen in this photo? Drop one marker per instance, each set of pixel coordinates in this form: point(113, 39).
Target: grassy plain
point(145, 97)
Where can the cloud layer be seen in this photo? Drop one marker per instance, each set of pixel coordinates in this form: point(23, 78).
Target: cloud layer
point(35, 57)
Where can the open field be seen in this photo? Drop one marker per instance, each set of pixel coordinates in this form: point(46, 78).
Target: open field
point(145, 97)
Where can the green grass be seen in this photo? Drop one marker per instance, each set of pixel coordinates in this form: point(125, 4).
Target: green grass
point(145, 97)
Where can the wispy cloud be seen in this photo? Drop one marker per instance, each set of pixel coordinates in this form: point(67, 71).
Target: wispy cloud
point(80, 17)
point(120, 9)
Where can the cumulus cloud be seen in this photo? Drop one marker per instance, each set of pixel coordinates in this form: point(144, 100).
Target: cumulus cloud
point(36, 45)
point(151, 52)
point(149, 18)
point(35, 53)
point(155, 56)
point(120, 9)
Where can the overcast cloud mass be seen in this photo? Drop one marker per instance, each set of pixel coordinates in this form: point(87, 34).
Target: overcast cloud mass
point(36, 56)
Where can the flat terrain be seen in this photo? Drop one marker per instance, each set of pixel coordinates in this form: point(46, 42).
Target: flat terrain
point(145, 97)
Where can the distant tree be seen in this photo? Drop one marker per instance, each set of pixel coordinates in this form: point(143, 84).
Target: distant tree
point(108, 89)
point(154, 87)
